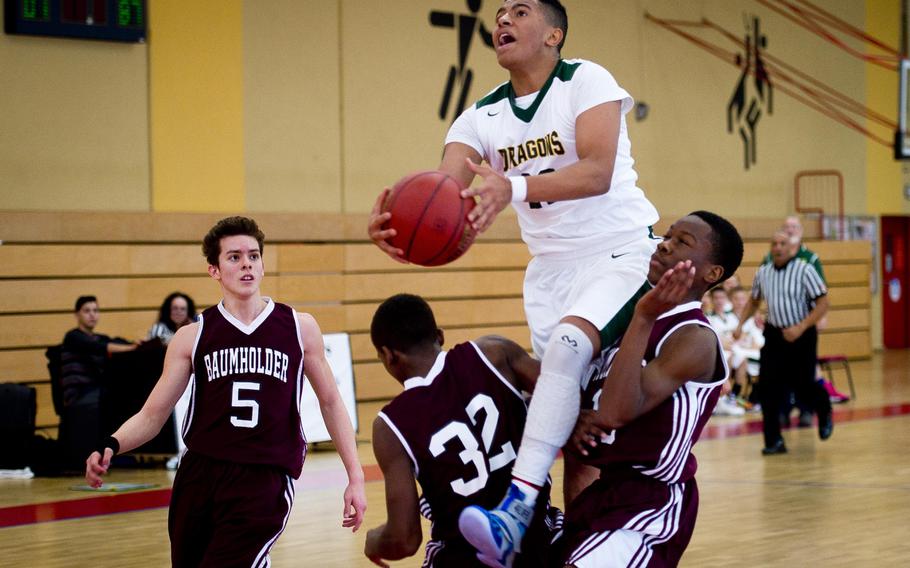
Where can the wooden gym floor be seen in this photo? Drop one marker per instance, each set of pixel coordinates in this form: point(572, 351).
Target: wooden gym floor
point(844, 502)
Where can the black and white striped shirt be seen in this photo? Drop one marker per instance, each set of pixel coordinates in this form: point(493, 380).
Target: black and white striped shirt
point(790, 291)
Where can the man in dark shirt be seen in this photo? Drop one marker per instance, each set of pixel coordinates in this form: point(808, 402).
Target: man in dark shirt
point(83, 358)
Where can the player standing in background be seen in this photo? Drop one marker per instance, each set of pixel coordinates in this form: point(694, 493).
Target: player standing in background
point(644, 420)
point(455, 428)
point(555, 141)
point(246, 358)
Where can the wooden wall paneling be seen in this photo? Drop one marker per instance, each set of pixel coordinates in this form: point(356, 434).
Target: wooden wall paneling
point(362, 349)
point(64, 260)
point(848, 274)
point(294, 258)
point(93, 259)
point(48, 329)
point(462, 284)
point(366, 414)
point(19, 365)
point(842, 251)
point(849, 296)
point(836, 274)
point(853, 344)
point(46, 415)
point(329, 316)
point(373, 383)
point(141, 227)
point(310, 288)
point(112, 293)
point(520, 334)
point(448, 312)
point(850, 318)
point(496, 255)
point(829, 252)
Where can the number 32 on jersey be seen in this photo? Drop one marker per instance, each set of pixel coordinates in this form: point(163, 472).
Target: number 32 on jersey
point(472, 454)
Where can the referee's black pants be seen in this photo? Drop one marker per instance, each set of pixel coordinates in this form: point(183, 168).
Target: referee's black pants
point(786, 366)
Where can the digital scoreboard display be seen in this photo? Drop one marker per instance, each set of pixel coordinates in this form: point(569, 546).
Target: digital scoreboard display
point(113, 20)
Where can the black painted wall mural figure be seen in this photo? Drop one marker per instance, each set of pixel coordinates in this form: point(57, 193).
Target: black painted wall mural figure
point(459, 74)
point(747, 104)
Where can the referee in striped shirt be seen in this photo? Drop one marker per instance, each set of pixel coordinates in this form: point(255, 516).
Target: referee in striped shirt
point(797, 299)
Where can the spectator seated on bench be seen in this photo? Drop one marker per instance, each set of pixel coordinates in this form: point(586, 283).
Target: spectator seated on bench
point(83, 357)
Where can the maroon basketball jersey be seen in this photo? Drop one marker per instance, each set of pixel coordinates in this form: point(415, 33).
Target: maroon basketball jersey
point(461, 425)
point(247, 383)
point(658, 444)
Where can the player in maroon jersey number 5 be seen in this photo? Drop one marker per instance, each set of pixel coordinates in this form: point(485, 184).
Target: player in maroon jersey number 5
point(245, 358)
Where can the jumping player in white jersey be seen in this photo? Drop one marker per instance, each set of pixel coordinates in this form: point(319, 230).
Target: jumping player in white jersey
point(555, 144)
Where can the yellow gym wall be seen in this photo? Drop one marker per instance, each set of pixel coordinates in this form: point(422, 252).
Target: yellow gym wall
point(315, 105)
point(884, 176)
point(74, 127)
point(196, 105)
point(686, 156)
point(291, 106)
point(884, 179)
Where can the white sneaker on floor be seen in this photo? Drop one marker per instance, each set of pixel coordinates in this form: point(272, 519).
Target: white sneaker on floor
point(726, 406)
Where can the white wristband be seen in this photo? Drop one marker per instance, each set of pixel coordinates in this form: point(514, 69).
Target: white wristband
point(519, 188)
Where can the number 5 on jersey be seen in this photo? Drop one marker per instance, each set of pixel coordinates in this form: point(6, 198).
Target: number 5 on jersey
point(471, 453)
point(238, 402)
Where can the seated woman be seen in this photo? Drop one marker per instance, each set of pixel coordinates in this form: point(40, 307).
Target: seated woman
point(176, 311)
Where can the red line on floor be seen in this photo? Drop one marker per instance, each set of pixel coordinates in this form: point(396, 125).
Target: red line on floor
point(122, 503)
point(719, 430)
point(88, 507)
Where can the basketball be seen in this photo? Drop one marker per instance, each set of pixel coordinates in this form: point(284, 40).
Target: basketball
point(431, 218)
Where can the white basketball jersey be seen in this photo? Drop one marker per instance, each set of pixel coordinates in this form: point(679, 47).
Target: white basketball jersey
point(535, 134)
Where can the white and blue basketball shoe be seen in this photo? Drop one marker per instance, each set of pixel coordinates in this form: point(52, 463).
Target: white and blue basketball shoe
point(497, 534)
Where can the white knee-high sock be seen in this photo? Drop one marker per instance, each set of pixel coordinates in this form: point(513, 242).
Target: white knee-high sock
point(555, 403)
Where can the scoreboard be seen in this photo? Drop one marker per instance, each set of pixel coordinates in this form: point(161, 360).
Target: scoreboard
point(113, 20)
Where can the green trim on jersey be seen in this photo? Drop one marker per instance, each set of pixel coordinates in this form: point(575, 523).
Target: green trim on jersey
point(563, 71)
point(501, 93)
point(617, 326)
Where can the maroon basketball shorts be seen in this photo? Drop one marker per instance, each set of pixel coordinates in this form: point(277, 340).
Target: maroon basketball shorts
point(632, 522)
point(226, 514)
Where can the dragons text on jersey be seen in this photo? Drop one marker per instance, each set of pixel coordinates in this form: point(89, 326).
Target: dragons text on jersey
point(548, 145)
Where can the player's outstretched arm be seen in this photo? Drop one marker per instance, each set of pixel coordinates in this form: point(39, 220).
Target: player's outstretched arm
point(336, 419)
point(400, 536)
point(145, 424)
point(631, 390)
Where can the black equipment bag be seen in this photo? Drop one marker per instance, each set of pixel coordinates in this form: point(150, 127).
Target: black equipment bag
point(18, 407)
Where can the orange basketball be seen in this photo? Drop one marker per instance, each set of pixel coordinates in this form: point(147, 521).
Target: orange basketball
point(431, 218)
